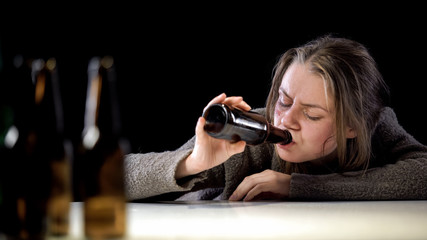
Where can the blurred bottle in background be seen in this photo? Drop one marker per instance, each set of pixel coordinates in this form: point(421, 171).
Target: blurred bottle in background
point(36, 174)
point(10, 178)
point(53, 146)
point(18, 107)
point(98, 169)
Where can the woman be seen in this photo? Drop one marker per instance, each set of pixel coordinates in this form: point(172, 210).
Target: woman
point(347, 144)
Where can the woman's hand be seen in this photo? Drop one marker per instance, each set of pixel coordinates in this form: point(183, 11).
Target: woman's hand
point(266, 185)
point(209, 152)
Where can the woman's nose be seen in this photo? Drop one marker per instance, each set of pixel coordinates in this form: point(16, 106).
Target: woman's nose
point(289, 118)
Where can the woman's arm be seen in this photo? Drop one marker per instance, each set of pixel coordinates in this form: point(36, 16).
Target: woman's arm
point(150, 174)
point(403, 180)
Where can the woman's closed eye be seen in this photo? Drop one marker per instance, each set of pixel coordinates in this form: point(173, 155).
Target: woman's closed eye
point(284, 102)
point(311, 117)
point(284, 105)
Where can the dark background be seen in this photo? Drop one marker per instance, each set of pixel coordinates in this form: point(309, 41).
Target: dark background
point(171, 62)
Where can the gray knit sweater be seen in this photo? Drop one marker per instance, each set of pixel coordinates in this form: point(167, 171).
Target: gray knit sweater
point(398, 170)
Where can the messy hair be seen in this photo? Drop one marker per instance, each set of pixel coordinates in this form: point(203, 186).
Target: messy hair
point(354, 83)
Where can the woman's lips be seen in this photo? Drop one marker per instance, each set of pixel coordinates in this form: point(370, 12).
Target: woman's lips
point(286, 146)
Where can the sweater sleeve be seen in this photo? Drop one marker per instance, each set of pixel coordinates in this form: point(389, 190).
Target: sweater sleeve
point(151, 174)
point(401, 175)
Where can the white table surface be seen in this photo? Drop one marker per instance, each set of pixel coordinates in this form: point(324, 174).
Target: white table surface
point(270, 220)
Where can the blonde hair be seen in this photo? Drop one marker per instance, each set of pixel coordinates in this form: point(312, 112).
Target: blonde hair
point(353, 81)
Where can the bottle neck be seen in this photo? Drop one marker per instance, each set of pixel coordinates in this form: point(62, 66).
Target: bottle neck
point(48, 115)
point(102, 107)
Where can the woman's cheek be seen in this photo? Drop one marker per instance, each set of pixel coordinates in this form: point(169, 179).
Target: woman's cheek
point(325, 140)
point(277, 114)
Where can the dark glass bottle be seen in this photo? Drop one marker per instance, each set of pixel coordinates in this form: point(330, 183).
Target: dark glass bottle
point(225, 122)
point(17, 94)
point(99, 169)
point(37, 178)
point(52, 146)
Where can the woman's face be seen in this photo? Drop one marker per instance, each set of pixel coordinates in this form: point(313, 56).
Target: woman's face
point(304, 108)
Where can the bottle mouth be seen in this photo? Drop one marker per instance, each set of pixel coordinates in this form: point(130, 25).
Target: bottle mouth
point(279, 136)
point(288, 138)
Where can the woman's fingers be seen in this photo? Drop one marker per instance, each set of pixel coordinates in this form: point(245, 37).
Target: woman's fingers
point(245, 186)
point(235, 101)
point(218, 99)
point(274, 185)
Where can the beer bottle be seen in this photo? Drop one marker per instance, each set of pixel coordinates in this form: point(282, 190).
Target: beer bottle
point(37, 178)
point(21, 217)
point(51, 145)
point(225, 122)
point(99, 169)
point(11, 134)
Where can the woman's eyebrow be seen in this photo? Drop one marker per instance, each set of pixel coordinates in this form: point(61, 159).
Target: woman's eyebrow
point(314, 106)
point(284, 92)
point(309, 105)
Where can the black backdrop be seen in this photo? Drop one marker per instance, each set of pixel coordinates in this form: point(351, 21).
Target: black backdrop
point(171, 63)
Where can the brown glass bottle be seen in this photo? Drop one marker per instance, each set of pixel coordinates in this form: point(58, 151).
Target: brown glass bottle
point(99, 168)
point(225, 122)
point(38, 168)
point(53, 147)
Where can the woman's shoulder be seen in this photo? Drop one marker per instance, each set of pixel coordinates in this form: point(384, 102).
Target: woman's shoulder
point(389, 128)
point(388, 125)
point(392, 141)
point(387, 114)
